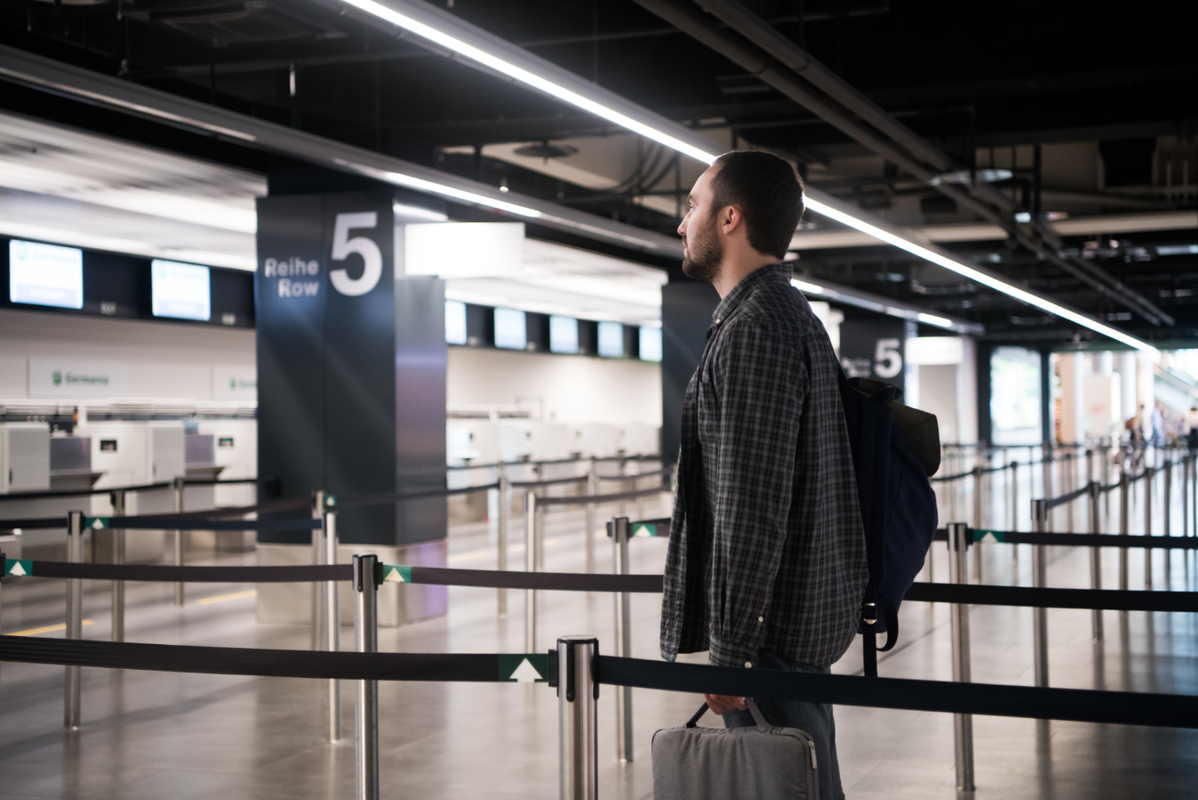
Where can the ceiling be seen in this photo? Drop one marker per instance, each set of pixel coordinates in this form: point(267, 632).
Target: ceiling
point(1096, 122)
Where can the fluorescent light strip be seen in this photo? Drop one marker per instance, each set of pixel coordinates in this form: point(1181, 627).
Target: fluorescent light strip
point(980, 277)
point(579, 101)
point(524, 76)
point(932, 319)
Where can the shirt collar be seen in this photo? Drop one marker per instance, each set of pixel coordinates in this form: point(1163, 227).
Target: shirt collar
point(770, 272)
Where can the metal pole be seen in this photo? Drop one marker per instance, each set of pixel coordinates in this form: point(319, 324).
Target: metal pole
point(177, 486)
point(1046, 462)
point(952, 486)
point(1095, 559)
point(366, 640)
point(1106, 477)
point(1150, 473)
point(118, 557)
point(1166, 516)
point(1185, 495)
point(1069, 475)
point(1039, 578)
point(332, 621)
point(72, 701)
point(577, 693)
point(621, 528)
point(1014, 508)
point(592, 489)
point(501, 536)
point(962, 723)
point(1124, 525)
point(977, 520)
point(530, 565)
point(318, 534)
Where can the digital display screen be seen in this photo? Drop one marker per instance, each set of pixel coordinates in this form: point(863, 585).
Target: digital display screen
point(650, 343)
point(181, 291)
point(45, 274)
point(455, 322)
point(511, 331)
point(563, 334)
point(611, 339)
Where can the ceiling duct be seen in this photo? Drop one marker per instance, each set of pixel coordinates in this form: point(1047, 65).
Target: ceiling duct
point(221, 23)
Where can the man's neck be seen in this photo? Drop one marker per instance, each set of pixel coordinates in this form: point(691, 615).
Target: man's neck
point(733, 272)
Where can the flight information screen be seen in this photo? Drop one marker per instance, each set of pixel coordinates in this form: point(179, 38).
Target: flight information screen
point(611, 339)
point(181, 291)
point(45, 274)
point(563, 334)
point(511, 329)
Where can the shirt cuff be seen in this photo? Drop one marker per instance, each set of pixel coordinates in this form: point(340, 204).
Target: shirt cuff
point(724, 653)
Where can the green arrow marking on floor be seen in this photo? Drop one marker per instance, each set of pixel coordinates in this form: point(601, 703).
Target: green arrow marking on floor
point(14, 566)
point(524, 668)
point(644, 531)
point(989, 537)
point(395, 573)
point(95, 523)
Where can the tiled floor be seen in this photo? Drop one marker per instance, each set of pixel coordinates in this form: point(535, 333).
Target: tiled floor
point(155, 735)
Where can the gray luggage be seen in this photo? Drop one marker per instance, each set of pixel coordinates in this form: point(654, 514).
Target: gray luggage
point(762, 762)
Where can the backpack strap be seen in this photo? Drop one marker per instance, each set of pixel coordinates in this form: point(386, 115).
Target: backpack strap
point(869, 642)
point(890, 614)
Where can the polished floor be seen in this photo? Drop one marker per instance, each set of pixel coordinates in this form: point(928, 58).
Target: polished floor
point(154, 735)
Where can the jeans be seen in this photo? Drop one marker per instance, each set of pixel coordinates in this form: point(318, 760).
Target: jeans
point(813, 718)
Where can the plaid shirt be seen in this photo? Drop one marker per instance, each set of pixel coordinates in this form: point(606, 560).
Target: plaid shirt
point(767, 549)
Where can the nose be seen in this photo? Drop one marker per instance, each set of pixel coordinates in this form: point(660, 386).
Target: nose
point(682, 226)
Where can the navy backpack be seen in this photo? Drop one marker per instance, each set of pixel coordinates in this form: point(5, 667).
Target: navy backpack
point(895, 450)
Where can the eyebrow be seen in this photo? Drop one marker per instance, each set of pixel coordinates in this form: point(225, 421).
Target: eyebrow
point(690, 198)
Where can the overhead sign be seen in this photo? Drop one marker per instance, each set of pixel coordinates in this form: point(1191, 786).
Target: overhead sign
point(67, 378)
point(234, 383)
point(873, 348)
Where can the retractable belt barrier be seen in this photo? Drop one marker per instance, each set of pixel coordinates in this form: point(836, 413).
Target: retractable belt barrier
point(986, 536)
point(82, 492)
point(550, 482)
point(580, 500)
point(1068, 498)
point(178, 524)
point(1080, 705)
point(164, 520)
point(655, 473)
point(358, 501)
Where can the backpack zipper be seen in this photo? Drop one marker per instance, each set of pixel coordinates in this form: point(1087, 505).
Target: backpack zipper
point(811, 744)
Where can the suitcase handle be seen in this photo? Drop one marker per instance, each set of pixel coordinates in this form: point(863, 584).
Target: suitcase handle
point(749, 703)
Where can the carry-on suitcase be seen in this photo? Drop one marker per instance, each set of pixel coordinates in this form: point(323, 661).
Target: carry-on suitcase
point(752, 763)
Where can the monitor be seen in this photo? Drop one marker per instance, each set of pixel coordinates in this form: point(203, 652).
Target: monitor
point(455, 322)
point(180, 291)
point(563, 334)
point(45, 274)
point(511, 331)
point(611, 339)
point(650, 343)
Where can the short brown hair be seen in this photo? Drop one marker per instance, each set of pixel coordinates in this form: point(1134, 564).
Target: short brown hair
point(768, 193)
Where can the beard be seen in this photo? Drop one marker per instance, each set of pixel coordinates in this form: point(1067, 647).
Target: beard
point(703, 256)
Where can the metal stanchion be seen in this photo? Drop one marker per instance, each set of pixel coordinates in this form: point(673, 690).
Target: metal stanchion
point(1014, 508)
point(1039, 579)
point(962, 723)
point(505, 508)
point(177, 486)
point(1185, 495)
point(366, 640)
point(1167, 517)
point(578, 728)
point(592, 489)
point(74, 688)
point(977, 521)
point(1046, 463)
point(1124, 525)
point(118, 557)
point(952, 487)
point(1095, 559)
point(1068, 483)
point(332, 627)
point(1150, 473)
point(620, 528)
point(1105, 450)
point(530, 565)
point(318, 534)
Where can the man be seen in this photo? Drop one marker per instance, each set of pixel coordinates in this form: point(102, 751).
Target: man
point(1192, 427)
point(766, 568)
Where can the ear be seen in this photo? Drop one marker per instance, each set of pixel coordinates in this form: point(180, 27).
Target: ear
point(730, 219)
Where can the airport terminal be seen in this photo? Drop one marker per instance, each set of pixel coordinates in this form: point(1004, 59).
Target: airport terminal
point(356, 387)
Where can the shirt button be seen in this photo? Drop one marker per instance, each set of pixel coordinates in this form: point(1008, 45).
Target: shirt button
point(748, 664)
point(761, 619)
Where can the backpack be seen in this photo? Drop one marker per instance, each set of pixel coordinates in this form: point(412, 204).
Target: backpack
point(895, 450)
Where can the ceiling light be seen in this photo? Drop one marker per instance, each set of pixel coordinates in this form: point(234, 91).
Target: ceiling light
point(901, 313)
point(539, 82)
point(811, 288)
point(401, 210)
point(932, 319)
point(969, 177)
point(439, 189)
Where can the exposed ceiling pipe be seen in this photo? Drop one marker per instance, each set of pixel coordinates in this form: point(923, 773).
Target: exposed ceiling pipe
point(757, 30)
point(774, 73)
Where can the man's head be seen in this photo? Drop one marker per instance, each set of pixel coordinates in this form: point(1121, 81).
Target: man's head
point(746, 205)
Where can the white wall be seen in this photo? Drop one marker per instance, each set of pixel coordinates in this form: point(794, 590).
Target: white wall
point(166, 360)
point(573, 388)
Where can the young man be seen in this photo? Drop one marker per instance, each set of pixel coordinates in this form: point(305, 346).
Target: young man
point(766, 565)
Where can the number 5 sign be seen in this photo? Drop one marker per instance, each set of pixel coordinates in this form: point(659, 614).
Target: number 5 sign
point(344, 246)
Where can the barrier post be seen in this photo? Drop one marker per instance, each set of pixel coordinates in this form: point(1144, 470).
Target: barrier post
point(1095, 558)
point(592, 489)
point(1166, 517)
point(177, 487)
point(74, 688)
point(1039, 578)
point(332, 626)
point(318, 534)
point(1046, 463)
point(118, 557)
point(501, 537)
point(366, 640)
point(1068, 482)
point(1124, 525)
point(978, 520)
point(620, 529)
point(1105, 450)
point(962, 723)
point(1185, 495)
point(1149, 474)
point(530, 565)
point(1014, 508)
point(577, 693)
